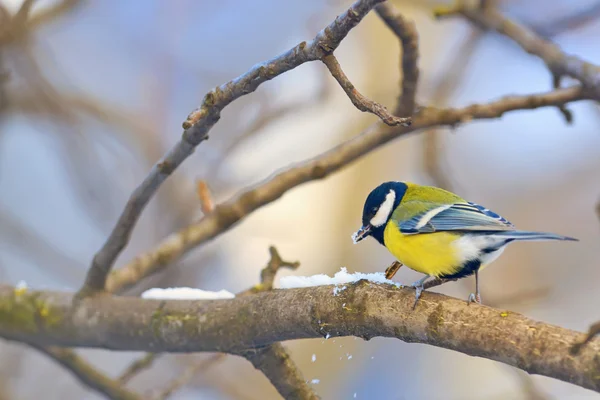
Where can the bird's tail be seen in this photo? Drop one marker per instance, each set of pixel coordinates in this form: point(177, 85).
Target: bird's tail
point(527, 235)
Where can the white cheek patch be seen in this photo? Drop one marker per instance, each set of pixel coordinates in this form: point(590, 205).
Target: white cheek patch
point(384, 211)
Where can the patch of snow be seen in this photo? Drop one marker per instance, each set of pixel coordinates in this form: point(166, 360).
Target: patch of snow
point(340, 278)
point(315, 381)
point(314, 358)
point(337, 290)
point(185, 293)
point(354, 394)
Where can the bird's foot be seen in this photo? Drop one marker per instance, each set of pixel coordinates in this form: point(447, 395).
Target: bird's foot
point(418, 285)
point(474, 298)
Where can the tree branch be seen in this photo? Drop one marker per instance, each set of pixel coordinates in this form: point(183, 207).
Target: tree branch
point(199, 123)
point(87, 374)
point(188, 374)
point(592, 332)
point(558, 62)
point(237, 208)
point(409, 39)
point(278, 366)
point(360, 101)
point(137, 366)
point(247, 322)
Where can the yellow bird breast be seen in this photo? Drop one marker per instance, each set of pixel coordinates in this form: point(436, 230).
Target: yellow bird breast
point(433, 254)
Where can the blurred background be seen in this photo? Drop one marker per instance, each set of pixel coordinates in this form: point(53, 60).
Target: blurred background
point(95, 92)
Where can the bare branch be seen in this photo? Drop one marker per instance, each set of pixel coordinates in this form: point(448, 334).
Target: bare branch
point(565, 23)
point(237, 208)
point(277, 365)
point(433, 162)
point(87, 374)
point(559, 63)
point(371, 310)
point(409, 39)
point(199, 123)
point(138, 366)
point(273, 360)
point(593, 332)
point(267, 275)
point(188, 374)
point(360, 101)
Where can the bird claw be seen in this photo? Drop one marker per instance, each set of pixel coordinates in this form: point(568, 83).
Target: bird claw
point(418, 290)
point(474, 298)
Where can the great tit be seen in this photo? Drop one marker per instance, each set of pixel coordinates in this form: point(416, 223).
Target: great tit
point(438, 233)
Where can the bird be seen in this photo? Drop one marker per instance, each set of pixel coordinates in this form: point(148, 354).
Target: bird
point(438, 233)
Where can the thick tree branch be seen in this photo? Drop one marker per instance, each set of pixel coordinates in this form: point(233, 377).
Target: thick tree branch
point(199, 123)
point(234, 210)
point(360, 101)
point(249, 322)
point(558, 62)
point(409, 39)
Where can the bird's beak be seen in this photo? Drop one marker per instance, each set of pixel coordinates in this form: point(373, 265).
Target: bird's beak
point(362, 233)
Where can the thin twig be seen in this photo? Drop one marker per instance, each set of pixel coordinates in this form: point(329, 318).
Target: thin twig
point(230, 212)
point(187, 375)
point(87, 374)
point(360, 101)
point(558, 62)
point(199, 123)
point(433, 161)
point(569, 22)
point(206, 200)
point(138, 366)
point(409, 39)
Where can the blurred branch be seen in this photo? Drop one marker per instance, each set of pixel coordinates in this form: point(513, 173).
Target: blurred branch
point(187, 375)
point(86, 373)
point(32, 245)
point(370, 310)
point(202, 120)
point(409, 40)
point(360, 101)
point(230, 212)
point(137, 366)
point(593, 332)
point(17, 26)
point(55, 11)
point(566, 23)
point(432, 153)
point(559, 63)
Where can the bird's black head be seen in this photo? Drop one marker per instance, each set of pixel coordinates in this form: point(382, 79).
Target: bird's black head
point(378, 209)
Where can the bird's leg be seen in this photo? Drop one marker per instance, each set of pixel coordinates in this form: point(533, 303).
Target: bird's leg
point(475, 297)
point(392, 269)
point(418, 285)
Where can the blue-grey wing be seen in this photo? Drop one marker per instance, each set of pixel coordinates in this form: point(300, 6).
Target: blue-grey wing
point(456, 217)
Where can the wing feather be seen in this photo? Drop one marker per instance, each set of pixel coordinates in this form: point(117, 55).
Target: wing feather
point(453, 217)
